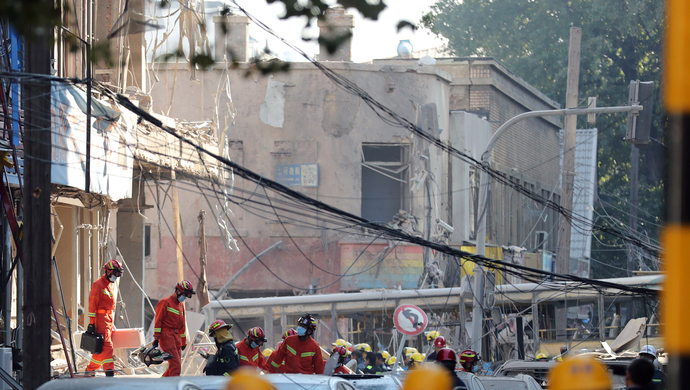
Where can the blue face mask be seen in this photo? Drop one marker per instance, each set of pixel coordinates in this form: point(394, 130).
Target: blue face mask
point(301, 331)
point(475, 368)
point(253, 345)
point(181, 298)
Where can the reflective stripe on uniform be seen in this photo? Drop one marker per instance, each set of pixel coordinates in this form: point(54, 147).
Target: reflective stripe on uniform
point(226, 374)
point(108, 293)
point(274, 364)
point(111, 360)
point(255, 357)
point(307, 354)
point(170, 309)
point(183, 335)
point(93, 360)
point(291, 350)
point(156, 329)
point(92, 314)
point(242, 357)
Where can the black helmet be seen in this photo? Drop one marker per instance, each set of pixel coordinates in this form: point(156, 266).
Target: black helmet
point(153, 356)
point(307, 322)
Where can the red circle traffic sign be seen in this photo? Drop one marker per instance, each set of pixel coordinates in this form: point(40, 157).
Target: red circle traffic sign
point(410, 320)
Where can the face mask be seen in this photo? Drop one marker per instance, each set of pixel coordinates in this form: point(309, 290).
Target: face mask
point(253, 345)
point(475, 368)
point(181, 298)
point(301, 331)
point(112, 278)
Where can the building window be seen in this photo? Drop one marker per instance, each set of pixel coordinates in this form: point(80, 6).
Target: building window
point(384, 181)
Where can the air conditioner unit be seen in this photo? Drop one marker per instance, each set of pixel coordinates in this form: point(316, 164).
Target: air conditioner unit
point(540, 238)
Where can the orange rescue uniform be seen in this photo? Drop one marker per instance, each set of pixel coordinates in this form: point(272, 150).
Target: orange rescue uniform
point(101, 306)
point(251, 356)
point(171, 332)
point(300, 357)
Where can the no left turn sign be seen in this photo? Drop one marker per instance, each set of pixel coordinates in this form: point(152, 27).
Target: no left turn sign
point(410, 320)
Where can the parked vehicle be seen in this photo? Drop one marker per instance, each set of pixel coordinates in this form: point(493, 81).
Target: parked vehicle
point(517, 382)
point(374, 382)
point(539, 369)
point(280, 381)
point(471, 381)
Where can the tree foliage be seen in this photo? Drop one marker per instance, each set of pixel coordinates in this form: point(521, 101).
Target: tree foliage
point(621, 41)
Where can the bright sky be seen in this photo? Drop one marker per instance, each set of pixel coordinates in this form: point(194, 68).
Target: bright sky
point(372, 39)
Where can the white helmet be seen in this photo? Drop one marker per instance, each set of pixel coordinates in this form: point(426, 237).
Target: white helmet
point(648, 349)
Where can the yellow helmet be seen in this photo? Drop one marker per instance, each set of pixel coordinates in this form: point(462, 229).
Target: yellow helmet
point(385, 355)
point(410, 350)
point(363, 347)
point(391, 360)
point(430, 376)
point(267, 352)
point(417, 357)
point(340, 342)
point(248, 379)
point(431, 336)
point(579, 373)
point(541, 356)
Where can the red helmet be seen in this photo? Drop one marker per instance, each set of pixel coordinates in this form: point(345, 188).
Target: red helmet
point(440, 342)
point(340, 350)
point(256, 334)
point(468, 356)
point(113, 265)
point(446, 354)
point(289, 332)
point(185, 287)
point(218, 324)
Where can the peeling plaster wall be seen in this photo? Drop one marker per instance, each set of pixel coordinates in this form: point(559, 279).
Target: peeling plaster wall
point(321, 124)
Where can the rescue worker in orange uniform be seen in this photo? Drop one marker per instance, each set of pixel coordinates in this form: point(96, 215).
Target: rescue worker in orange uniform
point(250, 349)
point(101, 307)
point(170, 329)
point(301, 354)
point(271, 368)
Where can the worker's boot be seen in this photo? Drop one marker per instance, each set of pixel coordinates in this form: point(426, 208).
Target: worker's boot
point(109, 373)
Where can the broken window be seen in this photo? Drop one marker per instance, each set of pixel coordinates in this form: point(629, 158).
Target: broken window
point(384, 181)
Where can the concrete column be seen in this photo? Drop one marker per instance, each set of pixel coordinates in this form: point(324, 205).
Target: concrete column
point(233, 39)
point(337, 23)
point(268, 325)
point(535, 322)
point(602, 314)
point(130, 241)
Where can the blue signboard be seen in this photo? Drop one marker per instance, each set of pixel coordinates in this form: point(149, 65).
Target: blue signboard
point(298, 175)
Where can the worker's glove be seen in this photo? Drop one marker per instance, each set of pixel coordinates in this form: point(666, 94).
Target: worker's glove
point(91, 329)
point(155, 344)
point(183, 347)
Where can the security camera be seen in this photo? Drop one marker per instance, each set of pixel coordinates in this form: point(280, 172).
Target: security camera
point(445, 226)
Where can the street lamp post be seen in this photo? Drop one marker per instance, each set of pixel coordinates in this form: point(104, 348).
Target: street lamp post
point(485, 181)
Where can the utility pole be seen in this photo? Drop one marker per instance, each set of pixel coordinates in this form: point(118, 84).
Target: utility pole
point(202, 285)
point(634, 178)
point(568, 173)
point(177, 225)
point(677, 231)
point(37, 232)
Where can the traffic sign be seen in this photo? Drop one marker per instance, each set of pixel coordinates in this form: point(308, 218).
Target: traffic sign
point(410, 320)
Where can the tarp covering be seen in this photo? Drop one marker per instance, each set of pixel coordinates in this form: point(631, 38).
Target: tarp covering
point(111, 133)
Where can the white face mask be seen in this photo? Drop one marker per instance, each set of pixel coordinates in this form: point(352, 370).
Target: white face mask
point(112, 278)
